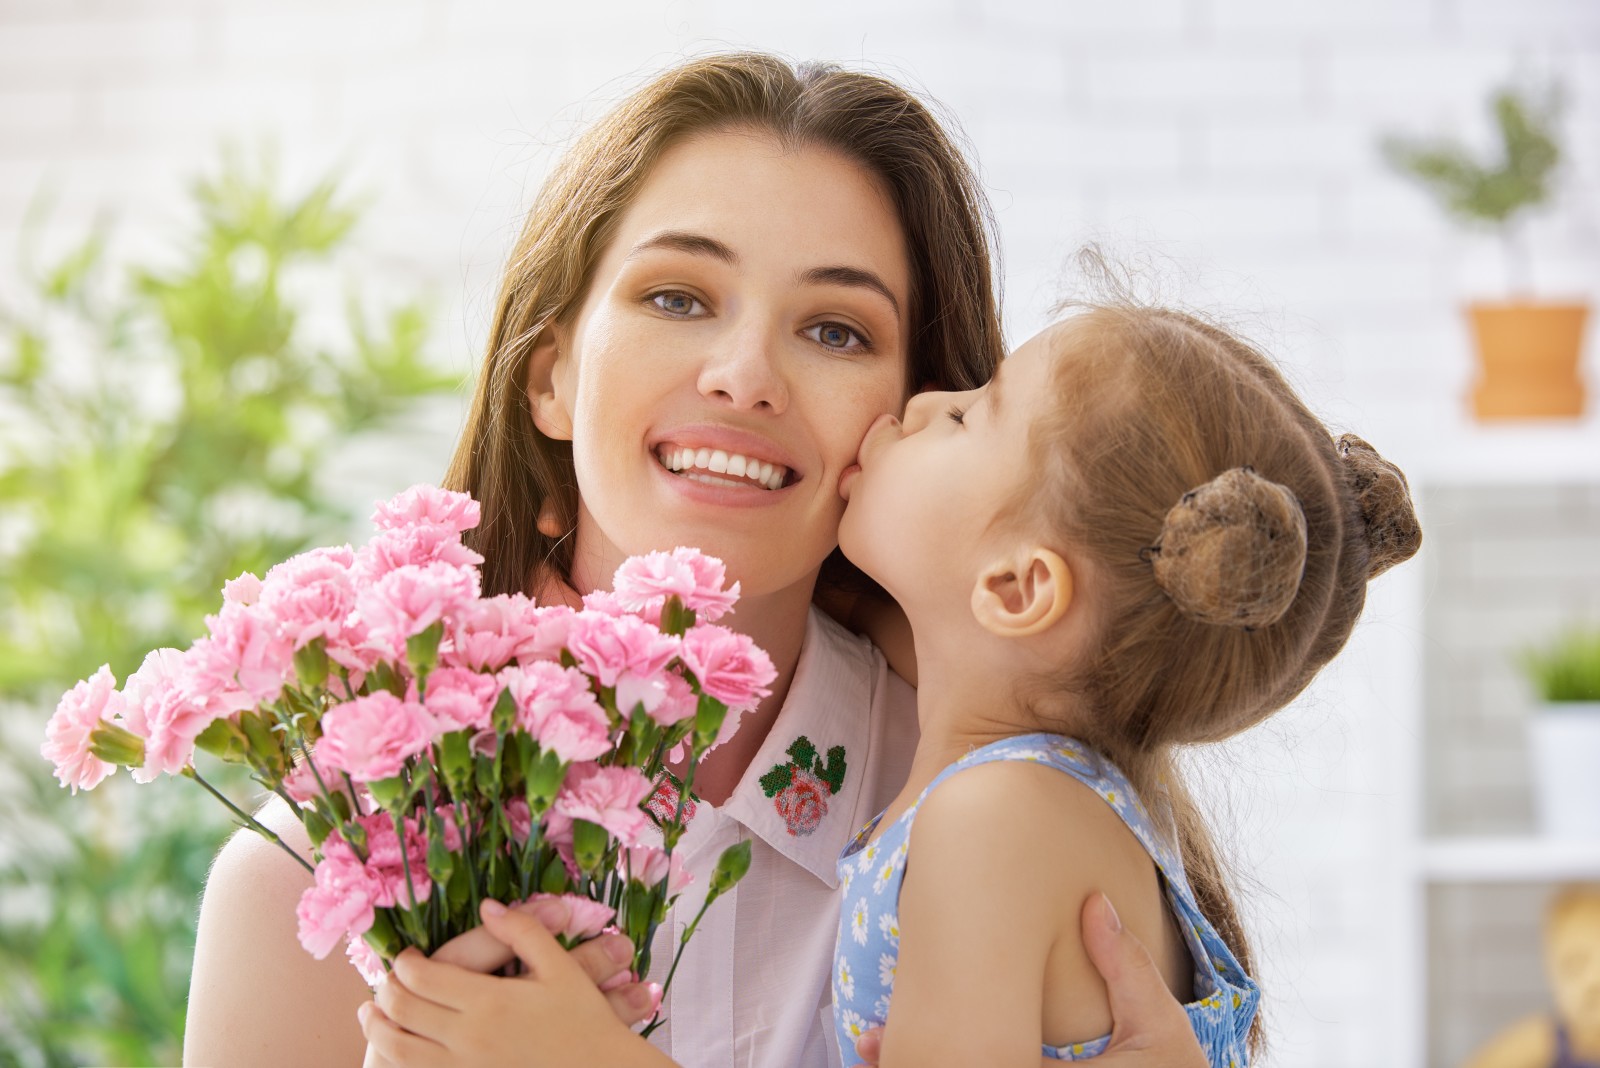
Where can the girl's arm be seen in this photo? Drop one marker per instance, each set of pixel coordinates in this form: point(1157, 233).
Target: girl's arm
point(1002, 859)
point(1149, 1028)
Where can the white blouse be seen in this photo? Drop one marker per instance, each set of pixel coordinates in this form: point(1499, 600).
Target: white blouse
point(752, 990)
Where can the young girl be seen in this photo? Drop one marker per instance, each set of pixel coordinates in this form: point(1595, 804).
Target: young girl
point(1134, 537)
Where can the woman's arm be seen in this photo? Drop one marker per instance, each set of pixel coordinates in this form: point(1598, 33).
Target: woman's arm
point(256, 998)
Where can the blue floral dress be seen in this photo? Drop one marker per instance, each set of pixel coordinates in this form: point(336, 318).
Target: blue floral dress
point(871, 870)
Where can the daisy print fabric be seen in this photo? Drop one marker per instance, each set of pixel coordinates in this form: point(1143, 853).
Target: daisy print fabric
point(872, 867)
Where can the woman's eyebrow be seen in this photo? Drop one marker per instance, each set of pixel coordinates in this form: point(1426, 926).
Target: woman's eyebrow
point(686, 241)
point(854, 277)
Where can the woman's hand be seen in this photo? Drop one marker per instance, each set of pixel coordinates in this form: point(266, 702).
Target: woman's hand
point(445, 1010)
point(1149, 1028)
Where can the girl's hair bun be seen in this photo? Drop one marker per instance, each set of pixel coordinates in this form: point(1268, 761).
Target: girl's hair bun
point(1393, 533)
point(1232, 551)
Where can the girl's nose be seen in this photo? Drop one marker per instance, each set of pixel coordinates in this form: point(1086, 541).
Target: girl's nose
point(920, 409)
point(743, 370)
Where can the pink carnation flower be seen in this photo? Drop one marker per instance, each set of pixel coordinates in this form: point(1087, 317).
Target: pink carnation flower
point(643, 583)
point(728, 664)
point(425, 543)
point(459, 699)
point(246, 589)
point(609, 797)
point(587, 918)
point(650, 864)
point(171, 700)
point(301, 781)
point(423, 503)
point(608, 647)
point(310, 596)
point(372, 737)
point(490, 633)
point(366, 962)
point(679, 703)
point(244, 652)
point(556, 707)
point(410, 599)
point(66, 737)
point(339, 905)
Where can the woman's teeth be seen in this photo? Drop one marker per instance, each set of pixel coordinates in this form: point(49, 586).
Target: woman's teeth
point(702, 465)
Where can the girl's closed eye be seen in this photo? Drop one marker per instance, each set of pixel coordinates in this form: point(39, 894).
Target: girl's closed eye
point(957, 415)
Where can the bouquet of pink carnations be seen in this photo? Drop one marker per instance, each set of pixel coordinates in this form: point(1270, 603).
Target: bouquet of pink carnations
point(439, 746)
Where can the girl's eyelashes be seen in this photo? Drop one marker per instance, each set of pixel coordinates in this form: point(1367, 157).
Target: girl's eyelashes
point(677, 303)
point(957, 415)
point(838, 337)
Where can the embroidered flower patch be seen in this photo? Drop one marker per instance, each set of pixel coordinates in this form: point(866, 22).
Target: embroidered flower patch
point(800, 789)
point(664, 802)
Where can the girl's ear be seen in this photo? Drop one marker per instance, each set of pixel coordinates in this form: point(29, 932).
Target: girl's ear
point(547, 366)
point(1023, 595)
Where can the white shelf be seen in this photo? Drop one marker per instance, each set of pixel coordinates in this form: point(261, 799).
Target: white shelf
point(1525, 453)
point(1509, 860)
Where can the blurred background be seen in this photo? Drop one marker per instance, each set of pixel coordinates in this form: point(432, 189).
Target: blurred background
point(248, 253)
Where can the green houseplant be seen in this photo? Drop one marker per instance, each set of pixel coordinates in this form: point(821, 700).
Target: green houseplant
point(1564, 734)
point(162, 427)
point(1527, 349)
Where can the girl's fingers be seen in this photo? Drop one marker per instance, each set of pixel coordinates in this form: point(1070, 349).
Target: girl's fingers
point(443, 984)
point(409, 1010)
point(478, 950)
point(395, 1044)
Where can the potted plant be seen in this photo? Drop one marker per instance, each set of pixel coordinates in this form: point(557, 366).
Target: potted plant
point(1564, 735)
point(1527, 349)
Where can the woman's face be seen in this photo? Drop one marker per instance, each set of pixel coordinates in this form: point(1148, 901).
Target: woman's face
point(749, 313)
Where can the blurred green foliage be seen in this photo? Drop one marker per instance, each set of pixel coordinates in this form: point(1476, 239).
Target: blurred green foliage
point(1567, 668)
point(1516, 176)
point(161, 430)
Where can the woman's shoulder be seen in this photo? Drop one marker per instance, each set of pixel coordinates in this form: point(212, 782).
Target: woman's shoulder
point(256, 996)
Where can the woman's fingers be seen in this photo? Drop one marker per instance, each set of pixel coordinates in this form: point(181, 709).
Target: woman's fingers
point(634, 1003)
point(605, 960)
point(478, 950)
point(406, 1007)
point(869, 1047)
point(393, 1043)
point(1149, 1029)
point(529, 939)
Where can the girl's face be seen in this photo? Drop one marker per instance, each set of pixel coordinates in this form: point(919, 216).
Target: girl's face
point(745, 325)
point(923, 504)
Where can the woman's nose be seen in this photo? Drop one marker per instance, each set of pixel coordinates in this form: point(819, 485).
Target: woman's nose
point(742, 368)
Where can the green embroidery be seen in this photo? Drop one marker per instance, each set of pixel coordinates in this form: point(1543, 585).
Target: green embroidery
point(803, 756)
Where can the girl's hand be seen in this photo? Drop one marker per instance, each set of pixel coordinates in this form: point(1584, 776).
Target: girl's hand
point(440, 1011)
point(1149, 1028)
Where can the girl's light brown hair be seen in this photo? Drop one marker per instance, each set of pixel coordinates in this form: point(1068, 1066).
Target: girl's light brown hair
point(512, 469)
point(1149, 404)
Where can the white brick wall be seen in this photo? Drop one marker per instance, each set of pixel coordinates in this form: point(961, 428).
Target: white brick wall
point(1230, 140)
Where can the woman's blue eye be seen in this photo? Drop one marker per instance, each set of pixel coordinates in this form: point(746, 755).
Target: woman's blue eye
point(957, 415)
point(675, 303)
point(836, 336)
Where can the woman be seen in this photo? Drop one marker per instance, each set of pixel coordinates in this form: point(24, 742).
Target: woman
point(719, 288)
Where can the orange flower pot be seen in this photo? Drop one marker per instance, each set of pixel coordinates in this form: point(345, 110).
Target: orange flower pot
point(1528, 360)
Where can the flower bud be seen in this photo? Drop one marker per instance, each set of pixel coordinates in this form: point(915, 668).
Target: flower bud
point(589, 842)
point(731, 867)
point(117, 744)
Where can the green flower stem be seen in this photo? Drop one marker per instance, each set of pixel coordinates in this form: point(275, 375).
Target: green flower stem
point(683, 943)
point(249, 820)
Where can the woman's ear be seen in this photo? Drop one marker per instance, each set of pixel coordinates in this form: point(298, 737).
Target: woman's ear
point(547, 367)
point(1024, 594)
